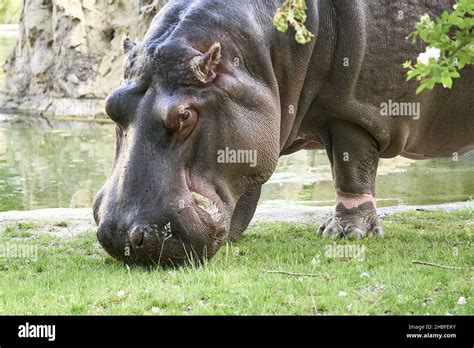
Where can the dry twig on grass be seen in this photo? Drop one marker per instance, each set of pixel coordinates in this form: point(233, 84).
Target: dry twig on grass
point(433, 264)
point(291, 273)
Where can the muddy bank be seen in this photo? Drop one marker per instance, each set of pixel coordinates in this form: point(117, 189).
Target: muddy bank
point(65, 222)
point(299, 213)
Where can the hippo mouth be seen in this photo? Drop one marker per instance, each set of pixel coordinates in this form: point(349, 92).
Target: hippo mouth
point(190, 227)
point(206, 229)
point(211, 216)
point(207, 206)
point(211, 210)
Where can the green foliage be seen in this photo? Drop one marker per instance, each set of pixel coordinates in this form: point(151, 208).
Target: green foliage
point(293, 12)
point(450, 41)
point(10, 11)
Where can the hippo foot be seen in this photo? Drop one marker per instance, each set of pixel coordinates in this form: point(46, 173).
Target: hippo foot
point(354, 222)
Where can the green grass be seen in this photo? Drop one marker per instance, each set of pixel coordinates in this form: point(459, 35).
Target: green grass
point(76, 276)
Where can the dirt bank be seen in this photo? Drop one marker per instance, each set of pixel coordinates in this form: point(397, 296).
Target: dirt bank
point(69, 222)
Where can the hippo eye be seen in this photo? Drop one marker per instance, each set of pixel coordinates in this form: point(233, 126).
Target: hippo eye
point(184, 115)
point(187, 118)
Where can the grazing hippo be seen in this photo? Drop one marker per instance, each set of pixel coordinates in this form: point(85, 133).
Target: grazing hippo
point(213, 80)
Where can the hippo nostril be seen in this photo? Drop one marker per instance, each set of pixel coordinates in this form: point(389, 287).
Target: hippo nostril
point(140, 241)
point(137, 236)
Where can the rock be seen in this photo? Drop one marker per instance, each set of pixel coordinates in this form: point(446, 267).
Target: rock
point(462, 301)
point(70, 52)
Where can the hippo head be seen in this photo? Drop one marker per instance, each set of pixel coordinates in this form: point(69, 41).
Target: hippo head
point(195, 132)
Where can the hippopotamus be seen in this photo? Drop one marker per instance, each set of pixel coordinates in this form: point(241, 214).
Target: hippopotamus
point(215, 75)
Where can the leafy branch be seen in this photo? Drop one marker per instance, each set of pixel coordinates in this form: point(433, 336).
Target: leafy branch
point(450, 46)
point(293, 13)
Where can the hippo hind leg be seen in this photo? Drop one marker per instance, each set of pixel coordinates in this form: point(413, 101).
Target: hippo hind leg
point(354, 157)
point(353, 221)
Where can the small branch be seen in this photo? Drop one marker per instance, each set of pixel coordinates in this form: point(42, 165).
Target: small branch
point(291, 273)
point(433, 264)
point(463, 44)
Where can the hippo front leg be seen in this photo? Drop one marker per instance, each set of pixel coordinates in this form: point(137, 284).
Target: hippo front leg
point(244, 211)
point(354, 157)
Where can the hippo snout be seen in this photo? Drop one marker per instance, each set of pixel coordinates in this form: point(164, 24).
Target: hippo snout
point(141, 236)
point(136, 236)
point(147, 244)
point(190, 231)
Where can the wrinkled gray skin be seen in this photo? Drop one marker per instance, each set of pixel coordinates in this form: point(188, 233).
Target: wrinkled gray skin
point(184, 97)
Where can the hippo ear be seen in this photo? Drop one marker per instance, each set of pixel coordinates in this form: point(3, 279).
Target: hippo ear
point(204, 65)
point(128, 45)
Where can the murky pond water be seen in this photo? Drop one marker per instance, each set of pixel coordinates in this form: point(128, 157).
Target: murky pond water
point(63, 164)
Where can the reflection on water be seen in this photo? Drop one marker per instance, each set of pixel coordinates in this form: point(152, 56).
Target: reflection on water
point(63, 166)
point(46, 164)
point(305, 177)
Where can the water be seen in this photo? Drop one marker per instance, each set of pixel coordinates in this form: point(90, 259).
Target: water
point(60, 166)
point(47, 164)
point(305, 178)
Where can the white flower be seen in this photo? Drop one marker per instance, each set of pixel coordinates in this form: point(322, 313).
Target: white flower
point(462, 301)
point(364, 275)
point(121, 293)
point(423, 58)
point(155, 309)
point(431, 52)
point(342, 294)
point(425, 18)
